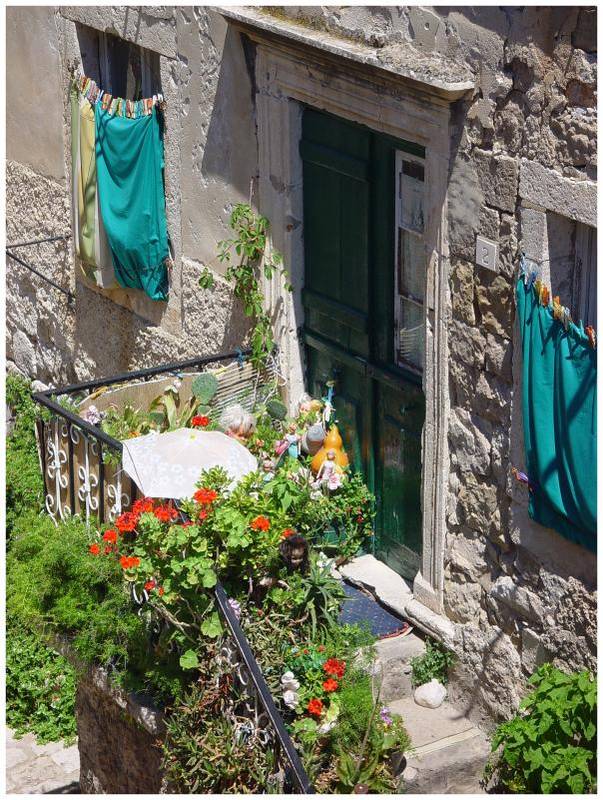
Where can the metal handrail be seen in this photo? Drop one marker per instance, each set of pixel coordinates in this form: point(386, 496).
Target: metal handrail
point(300, 777)
point(294, 769)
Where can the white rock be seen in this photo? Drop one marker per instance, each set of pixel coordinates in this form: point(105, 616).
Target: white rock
point(430, 695)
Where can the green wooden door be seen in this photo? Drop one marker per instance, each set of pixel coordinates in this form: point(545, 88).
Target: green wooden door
point(352, 259)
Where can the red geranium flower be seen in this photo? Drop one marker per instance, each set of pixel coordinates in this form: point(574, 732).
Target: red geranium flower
point(203, 513)
point(200, 421)
point(94, 549)
point(126, 522)
point(330, 685)
point(205, 496)
point(108, 549)
point(110, 536)
point(260, 523)
point(165, 513)
point(160, 590)
point(149, 585)
point(287, 532)
point(334, 667)
point(143, 506)
point(315, 707)
point(128, 562)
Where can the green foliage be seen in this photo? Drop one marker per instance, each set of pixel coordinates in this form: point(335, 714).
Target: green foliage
point(24, 485)
point(40, 689)
point(205, 387)
point(277, 409)
point(125, 423)
point(54, 586)
point(434, 663)
point(550, 745)
point(202, 751)
point(249, 243)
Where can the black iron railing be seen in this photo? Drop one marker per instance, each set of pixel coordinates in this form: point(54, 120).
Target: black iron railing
point(78, 481)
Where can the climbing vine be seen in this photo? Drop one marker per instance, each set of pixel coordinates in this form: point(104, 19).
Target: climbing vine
point(246, 257)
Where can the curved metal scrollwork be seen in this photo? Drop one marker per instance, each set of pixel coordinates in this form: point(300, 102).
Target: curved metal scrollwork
point(117, 498)
point(88, 479)
point(57, 459)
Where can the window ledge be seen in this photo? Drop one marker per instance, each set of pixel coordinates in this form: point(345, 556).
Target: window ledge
point(429, 73)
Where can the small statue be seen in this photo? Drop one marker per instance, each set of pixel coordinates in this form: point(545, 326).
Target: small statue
point(313, 439)
point(237, 423)
point(290, 442)
point(330, 473)
point(269, 468)
point(294, 552)
point(306, 404)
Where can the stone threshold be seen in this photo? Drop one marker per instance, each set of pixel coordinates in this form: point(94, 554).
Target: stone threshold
point(392, 590)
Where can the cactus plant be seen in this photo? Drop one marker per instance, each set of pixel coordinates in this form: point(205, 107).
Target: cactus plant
point(277, 409)
point(204, 387)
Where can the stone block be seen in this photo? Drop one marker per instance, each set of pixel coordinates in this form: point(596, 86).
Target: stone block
point(522, 600)
point(498, 176)
point(499, 356)
point(466, 344)
point(469, 442)
point(495, 301)
point(462, 290)
point(533, 653)
point(478, 502)
point(549, 188)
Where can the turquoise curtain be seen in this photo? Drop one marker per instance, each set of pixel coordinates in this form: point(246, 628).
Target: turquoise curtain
point(560, 420)
point(129, 164)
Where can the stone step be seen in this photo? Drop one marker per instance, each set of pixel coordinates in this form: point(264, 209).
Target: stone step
point(393, 665)
point(448, 752)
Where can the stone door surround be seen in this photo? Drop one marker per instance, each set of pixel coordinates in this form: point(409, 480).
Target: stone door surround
point(295, 69)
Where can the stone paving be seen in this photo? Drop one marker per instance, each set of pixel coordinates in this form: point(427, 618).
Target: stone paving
point(33, 768)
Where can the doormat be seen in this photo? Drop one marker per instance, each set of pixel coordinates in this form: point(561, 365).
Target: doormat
point(359, 607)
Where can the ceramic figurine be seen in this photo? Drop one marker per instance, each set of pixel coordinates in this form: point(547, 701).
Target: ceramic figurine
point(312, 439)
point(289, 443)
point(268, 467)
point(329, 474)
point(238, 423)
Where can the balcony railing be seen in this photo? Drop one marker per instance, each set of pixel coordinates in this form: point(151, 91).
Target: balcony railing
point(80, 480)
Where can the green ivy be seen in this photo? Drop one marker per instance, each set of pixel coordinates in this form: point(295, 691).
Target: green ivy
point(434, 663)
point(549, 747)
point(249, 243)
point(40, 689)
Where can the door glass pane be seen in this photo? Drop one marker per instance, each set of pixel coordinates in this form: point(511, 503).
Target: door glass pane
point(410, 263)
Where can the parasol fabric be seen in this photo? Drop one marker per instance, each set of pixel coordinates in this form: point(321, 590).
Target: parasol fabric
point(168, 465)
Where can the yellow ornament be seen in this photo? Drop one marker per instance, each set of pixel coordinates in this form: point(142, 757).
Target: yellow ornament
point(333, 441)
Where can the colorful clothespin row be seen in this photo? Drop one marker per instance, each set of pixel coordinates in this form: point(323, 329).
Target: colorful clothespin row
point(557, 309)
point(522, 478)
point(545, 295)
point(592, 336)
point(107, 100)
point(531, 279)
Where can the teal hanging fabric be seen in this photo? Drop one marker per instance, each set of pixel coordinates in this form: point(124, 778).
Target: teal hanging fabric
point(559, 418)
point(129, 164)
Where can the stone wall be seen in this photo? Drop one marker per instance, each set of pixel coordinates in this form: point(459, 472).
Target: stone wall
point(211, 159)
point(119, 740)
point(523, 146)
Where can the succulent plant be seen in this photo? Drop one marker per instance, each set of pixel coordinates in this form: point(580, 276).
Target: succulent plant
point(277, 409)
point(204, 387)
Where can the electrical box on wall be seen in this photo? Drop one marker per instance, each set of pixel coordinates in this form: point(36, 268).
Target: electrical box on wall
point(486, 253)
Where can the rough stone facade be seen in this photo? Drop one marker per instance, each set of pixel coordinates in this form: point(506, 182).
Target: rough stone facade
point(522, 174)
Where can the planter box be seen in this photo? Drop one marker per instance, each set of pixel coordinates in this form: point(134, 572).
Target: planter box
point(78, 476)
